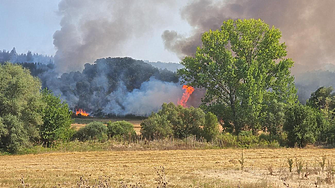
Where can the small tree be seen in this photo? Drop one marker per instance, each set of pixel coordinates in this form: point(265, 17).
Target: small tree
point(211, 127)
point(122, 129)
point(300, 125)
point(56, 119)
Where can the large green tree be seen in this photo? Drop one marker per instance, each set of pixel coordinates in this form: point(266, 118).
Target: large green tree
point(20, 107)
point(241, 66)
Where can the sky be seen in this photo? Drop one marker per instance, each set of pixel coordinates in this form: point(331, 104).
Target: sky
point(29, 25)
point(80, 31)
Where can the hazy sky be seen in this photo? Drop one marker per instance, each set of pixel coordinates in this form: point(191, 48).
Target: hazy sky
point(31, 24)
point(80, 31)
point(28, 25)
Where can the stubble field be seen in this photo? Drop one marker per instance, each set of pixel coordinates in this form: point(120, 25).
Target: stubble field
point(177, 168)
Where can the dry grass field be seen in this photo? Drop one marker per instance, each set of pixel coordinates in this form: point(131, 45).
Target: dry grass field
point(182, 168)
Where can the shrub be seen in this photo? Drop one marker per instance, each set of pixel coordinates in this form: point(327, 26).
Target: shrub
point(122, 129)
point(184, 121)
point(211, 127)
point(92, 131)
point(300, 125)
point(156, 127)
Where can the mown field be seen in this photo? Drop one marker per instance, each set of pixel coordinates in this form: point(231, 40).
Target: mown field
point(177, 168)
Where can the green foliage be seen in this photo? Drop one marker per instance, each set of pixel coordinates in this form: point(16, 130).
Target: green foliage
point(56, 119)
point(156, 127)
point(20, 108)
point(300, 125)
point(274, 117)
point(92, 131)
point(323, 99)
point(246, 140)
point(122, 129)
point(242, 67)
point(290, 164)
point(180, 122)
point(211, 128)
point(184, 121)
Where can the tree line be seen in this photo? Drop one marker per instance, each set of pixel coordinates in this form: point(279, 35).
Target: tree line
point(29, 57)
point(249, 91)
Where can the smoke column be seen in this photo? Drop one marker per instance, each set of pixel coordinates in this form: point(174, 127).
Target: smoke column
point(91, 29)
point(307, 26)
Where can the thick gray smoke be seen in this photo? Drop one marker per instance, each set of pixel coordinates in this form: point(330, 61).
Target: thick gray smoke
point(116, 86)
point(143, 101)
point(307, 26)
point(91, 29)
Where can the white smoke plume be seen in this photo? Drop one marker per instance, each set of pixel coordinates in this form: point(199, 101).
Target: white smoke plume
point(145, 100)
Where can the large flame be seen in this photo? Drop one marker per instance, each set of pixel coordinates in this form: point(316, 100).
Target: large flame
point(188, 91)
point(81, 112)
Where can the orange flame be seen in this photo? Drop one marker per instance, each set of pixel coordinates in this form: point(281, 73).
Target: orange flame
point(81, 112)
point(188, 91)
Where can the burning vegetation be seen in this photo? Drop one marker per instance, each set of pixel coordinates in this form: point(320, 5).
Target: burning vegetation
point(188, 90)
point(81, 112)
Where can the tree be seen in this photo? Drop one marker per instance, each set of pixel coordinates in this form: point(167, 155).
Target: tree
point(30, 57)
point(274, 117)
point(13, 55)
point(20, 107)
point(301, 125)
point(211, 128)
point(56, 119)
point(324, 100)
point(241, 66)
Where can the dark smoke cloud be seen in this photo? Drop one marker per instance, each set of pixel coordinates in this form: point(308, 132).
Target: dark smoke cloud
point(92, 29)
point(307, 26)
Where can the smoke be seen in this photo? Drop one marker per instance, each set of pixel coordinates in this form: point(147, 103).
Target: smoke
point(91, 29)
point(115, 86)
point(306, 25)
point(143, 101)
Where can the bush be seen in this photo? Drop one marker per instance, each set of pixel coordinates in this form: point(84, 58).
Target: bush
point(122, 129)
point(156, 127)
point(211, 127)
point(184, 121)
point(92, 131)
point(300, 125)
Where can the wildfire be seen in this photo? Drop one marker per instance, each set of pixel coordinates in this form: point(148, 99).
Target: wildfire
point(81, 112)
point(188, 91)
